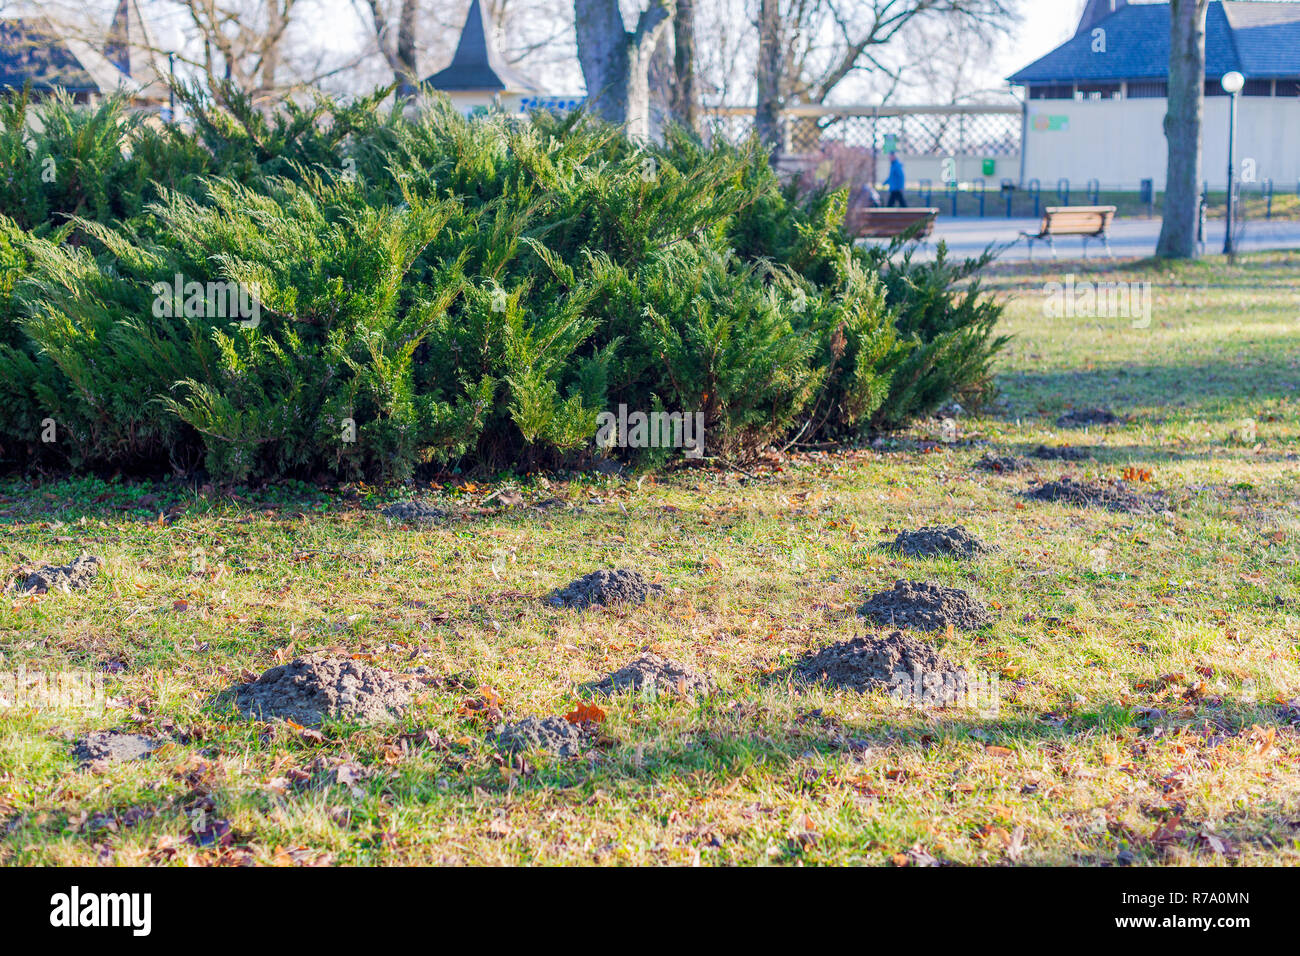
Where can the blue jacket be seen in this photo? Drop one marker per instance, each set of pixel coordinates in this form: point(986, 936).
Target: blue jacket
point(897, 180)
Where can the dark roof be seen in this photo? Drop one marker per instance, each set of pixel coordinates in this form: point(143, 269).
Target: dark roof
point(30, 48)
point(1258, 39)
point(477, 65)
point(1267, 37)
point(118, 47)
point(1095, 11)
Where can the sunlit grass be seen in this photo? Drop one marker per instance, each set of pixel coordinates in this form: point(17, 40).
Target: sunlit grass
point(1142, 688)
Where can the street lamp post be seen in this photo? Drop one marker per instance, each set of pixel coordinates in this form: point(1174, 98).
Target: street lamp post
point(1232, 85)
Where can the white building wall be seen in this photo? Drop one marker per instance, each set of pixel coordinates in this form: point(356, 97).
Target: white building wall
point(969, 169)
point(1122, 142)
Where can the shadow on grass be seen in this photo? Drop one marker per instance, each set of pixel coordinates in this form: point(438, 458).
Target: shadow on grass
point(1195, 389)
point(1109, 456)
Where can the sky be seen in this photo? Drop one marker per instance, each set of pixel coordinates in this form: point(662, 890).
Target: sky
point(1047, 24)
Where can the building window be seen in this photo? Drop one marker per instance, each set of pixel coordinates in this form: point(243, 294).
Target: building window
point(1257, 88)
point(1097, 91)
point(1148, 89)
point(1288, 88)
point(1214, 87)
point(1052, 91)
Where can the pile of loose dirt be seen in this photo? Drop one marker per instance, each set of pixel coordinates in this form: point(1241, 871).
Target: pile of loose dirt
point(65, 577)
point(413, 512)
point(113, 746)
point(654, 674)
point(554, 734)
point(954, 542)
point(314, 687)
point(926, 606)
point(899, 662)
point(1061, 453)
point(1082, 417)
point(1114, 497)
point(1000, 464)
point(619, 586)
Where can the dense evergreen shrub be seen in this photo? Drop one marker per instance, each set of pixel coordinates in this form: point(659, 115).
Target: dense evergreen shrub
point(949, 325)
point(440, 289)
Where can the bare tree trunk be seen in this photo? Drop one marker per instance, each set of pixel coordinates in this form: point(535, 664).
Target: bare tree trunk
point(663, 86)
point(275, 26)
point(685, 106)
point(400, 55)
point(769, 77)
point(1183, 128)
point(404, 68)
point(616, 62)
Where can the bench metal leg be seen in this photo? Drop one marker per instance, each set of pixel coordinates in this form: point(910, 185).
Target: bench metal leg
point(1051, 244)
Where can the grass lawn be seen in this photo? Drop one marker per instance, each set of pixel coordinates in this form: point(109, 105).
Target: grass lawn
point(1143, 662)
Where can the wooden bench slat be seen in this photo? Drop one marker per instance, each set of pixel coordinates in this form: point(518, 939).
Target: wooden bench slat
point(1087, 222)
point(876, 222)
point(1076, 220)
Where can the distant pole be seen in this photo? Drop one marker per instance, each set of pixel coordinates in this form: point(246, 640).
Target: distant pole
point(1232, 84)
point(1024, 134)
point(171, 87)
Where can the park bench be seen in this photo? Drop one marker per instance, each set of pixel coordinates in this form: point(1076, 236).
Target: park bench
point(877, 222)
point(1088, 222)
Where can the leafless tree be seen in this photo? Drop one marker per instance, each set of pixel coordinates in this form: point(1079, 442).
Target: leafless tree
point(1183, 131)
point(616, 61)
point(412, 38)
point(807, 48)
point(673, 92)
point(397, 46)
point(241, 42)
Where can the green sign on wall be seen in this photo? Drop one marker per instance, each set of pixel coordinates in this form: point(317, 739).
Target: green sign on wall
point(990, 167)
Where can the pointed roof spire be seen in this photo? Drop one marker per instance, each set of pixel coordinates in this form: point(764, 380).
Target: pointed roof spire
point(477, 64)
point(131, 48)
point(1096, 11)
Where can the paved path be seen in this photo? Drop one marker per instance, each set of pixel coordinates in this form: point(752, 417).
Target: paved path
point(1129, 237)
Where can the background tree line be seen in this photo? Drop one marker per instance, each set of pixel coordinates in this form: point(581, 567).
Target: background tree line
point(644, 63)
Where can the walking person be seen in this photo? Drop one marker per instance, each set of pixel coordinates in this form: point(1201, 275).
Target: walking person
point(897, 182)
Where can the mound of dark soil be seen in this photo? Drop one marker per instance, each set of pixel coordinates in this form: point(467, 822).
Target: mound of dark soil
point(1000, 464)
point(113, 746)
point(619, 586)
point(67, 577)
point(312, 688)
point(899, 662)
point(925, 606)
point(1083, 417)
point(1061, 453)
point(413, 512)
point(1114, 497)
point(655, 674)
point(954, 542)
point(553, 734)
